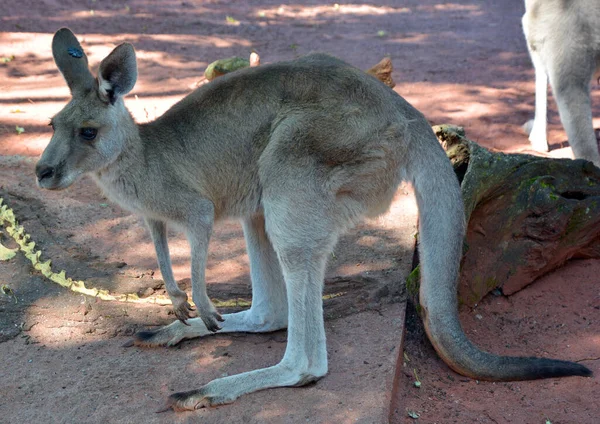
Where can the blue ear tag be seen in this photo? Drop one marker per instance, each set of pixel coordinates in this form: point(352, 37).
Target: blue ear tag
point(75, 52)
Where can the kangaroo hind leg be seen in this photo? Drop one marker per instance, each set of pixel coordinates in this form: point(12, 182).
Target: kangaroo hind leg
point(570, 81)
point(302, 235)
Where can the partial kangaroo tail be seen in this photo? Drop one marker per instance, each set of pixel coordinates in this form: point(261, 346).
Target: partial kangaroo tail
point(441, 233)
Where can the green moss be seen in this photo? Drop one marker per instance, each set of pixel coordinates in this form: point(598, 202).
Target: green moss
point(534, 180)
point(471, 297)
point(578, 218)
point(540, 179)
point(491, 283)
point(413, 283)
point(478, 288)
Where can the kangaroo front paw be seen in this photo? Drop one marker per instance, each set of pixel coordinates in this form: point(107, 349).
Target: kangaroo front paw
point(208, 313)
point(183, 311)
point(211, 319)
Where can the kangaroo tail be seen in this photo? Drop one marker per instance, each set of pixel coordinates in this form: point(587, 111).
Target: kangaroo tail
point(441, 233)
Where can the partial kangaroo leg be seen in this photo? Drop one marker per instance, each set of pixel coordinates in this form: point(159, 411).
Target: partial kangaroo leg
point(537, 128)
point(302, 247)
point(269, 304)
point(158, 231)
point(570, 81)
point(198, 235)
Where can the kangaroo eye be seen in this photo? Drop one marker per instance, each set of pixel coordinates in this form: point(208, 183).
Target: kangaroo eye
point(88, 133)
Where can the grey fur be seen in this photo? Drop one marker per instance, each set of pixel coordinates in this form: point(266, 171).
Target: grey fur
point(300, 151)
point(563, 38)
point(71, 61)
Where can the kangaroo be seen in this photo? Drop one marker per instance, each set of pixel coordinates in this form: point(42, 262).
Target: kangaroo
point(563, 39)
point(299, 151)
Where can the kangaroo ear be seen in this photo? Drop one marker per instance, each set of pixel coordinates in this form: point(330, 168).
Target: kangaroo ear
point(71, 61)
point(117, 73)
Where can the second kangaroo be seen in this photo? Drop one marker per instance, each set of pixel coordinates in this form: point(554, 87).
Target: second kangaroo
point(563, 38)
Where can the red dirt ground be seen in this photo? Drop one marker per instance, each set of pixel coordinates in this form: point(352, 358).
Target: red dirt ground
point(462, 62)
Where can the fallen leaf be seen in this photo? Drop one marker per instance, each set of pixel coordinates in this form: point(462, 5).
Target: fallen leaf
point(417, 382)
point(8, 292)
point(6, 253)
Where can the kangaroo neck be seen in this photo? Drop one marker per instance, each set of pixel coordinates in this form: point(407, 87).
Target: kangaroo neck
point(123, 178)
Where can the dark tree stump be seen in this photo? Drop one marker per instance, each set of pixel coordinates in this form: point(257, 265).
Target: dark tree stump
point(527, 215)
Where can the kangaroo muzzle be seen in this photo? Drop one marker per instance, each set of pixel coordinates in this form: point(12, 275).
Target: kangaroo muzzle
point(43, 172)
point(50, 177)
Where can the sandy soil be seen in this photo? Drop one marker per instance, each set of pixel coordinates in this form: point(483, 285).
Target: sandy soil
point(463, 62)
point(557, 317)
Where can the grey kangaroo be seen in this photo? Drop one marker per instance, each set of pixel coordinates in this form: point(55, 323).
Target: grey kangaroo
point(563, 38)
point(299, 151)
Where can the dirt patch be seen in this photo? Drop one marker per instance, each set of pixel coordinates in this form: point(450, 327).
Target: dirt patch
point(557, 317)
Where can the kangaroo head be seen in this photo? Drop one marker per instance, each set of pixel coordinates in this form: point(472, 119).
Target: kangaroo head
point(91, 130)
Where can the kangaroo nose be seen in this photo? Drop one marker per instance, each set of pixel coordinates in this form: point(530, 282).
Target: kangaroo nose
point(43, 171)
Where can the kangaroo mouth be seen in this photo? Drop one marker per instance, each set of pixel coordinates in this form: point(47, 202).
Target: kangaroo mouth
point(54, 180)
point(52, 185)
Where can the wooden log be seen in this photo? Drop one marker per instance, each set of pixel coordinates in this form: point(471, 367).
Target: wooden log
point(527, 215)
